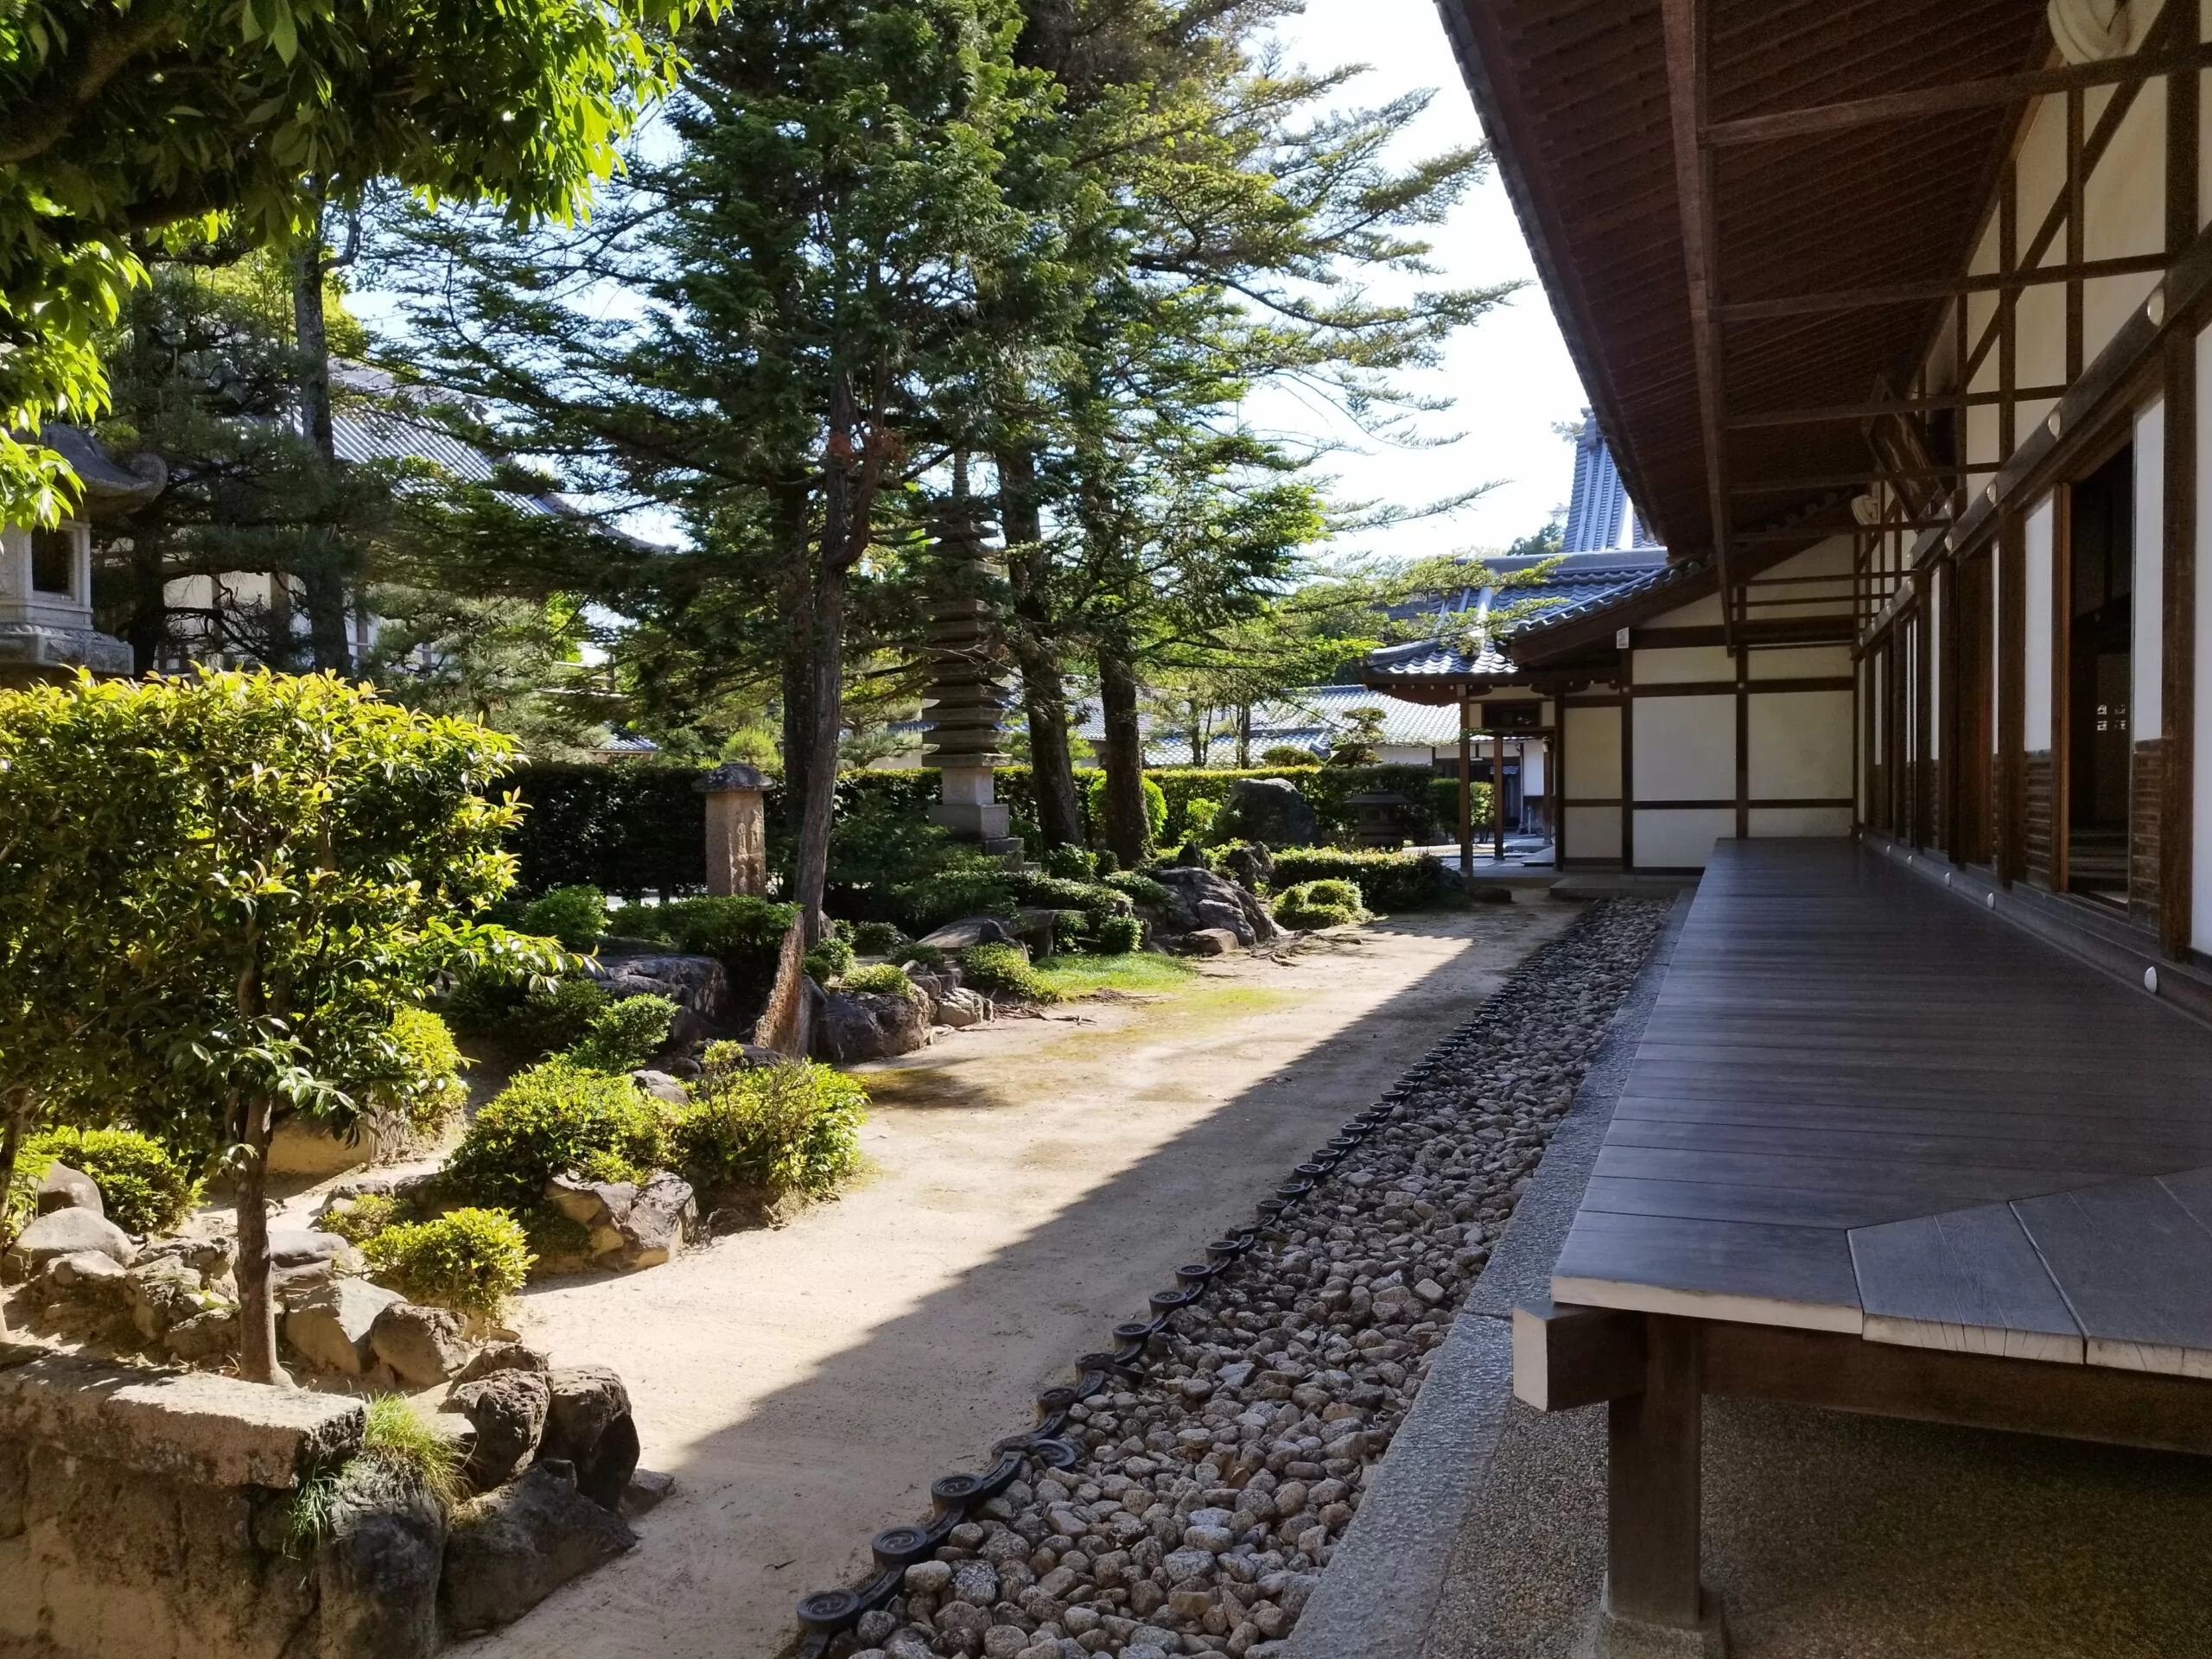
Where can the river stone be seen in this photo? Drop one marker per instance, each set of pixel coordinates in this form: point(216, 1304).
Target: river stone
point(505, 1357)
point(83, 1269)
point(423, 1345)
point(654, 1224)
point(507, 1410)
point(1210, 942)
point(204, 1336)
point(587, 1424)
point(377, 1577)
point(329, 1326)
point(64, 1188)
point(662, 1086)
point(508, 1550)
point(65, 1232)
point(961, 1009)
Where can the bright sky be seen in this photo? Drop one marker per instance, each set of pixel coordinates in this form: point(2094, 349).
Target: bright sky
point(1510, 374)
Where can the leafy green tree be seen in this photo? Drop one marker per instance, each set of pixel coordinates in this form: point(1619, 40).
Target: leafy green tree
point(216, 892)
point(121, 123)
point(807, 264)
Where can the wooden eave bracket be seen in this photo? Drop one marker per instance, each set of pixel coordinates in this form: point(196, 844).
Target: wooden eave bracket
point(1565, 1358)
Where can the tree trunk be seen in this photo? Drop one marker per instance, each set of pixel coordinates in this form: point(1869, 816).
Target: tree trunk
point(323, 579)
point(824, 630)
point(1044, 697)
point(148, 630)
point(11, 1138)
point(1244, 736)
point(1126, 831)
point(798, 656)
point(257, 1361)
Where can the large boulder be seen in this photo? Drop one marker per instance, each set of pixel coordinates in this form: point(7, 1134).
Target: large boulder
point(587, 1424)
point(699, 985)
point(330, 1323)
point(630, 1225)
point(422, 1345)
point(1198, 900)
point(968, 931)
point(1269, 810)
point(959, 1009)
point(507, 1551)
point(65, 1232)
point(1210, 942)
point(377, 1574)
point(64, 1188)
point(853, 1026)
point(507, 1410)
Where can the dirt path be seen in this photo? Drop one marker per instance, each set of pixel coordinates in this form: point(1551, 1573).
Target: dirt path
point(1033, 1182)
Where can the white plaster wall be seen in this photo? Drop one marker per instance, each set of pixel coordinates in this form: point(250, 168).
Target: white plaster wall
point(1698, 613)
point(1685, 750)
point(1801, 663)
point(1800, 745)
point(1593, 756)
point(2042, 523)
point(2150, 567)
point(1532, 768)
point(1780, 822)
point(1681, 664)
point(1680, 839)
point(1594, 832)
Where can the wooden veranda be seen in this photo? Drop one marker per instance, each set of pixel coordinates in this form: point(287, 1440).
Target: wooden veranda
point(1882, 1151)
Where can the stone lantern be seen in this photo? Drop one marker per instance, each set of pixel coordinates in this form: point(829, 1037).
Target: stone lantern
point(964, 707)
point(737, 830)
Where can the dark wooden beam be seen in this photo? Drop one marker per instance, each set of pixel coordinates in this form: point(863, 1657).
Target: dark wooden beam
point(2177, 590)
point(2076, 233)
point(2011, 568)
point(1746, 421)
point(1685, 29)
point(1849, 480)
point(2077, 270)
point(1799, 532)
point(1944, 101)
point(1653, 1442)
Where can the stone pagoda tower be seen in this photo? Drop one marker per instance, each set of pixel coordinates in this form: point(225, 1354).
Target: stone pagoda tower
point(964, 707)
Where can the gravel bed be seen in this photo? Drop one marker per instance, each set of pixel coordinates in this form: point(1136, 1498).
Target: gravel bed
point(1211, 1480)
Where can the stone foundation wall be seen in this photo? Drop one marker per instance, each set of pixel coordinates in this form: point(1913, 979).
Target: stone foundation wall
point(147, 1516)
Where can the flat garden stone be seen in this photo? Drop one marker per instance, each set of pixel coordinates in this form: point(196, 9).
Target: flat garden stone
point(65, 1232)
point(330, 1325)
point(424, 1345)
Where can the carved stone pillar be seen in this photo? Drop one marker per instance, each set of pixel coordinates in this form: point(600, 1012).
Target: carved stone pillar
point(964, 707)
point(737, 830)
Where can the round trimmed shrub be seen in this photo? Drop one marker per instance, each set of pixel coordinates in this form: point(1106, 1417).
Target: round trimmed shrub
point(1004, 970)
point(554, 1117)
point(828, 959)
point(359, 1220)
point(142, 1187)
point(541, 1021)
point(1155, 809)
point(624, 1035)
point(1119, 935)
point(430, 1090)
point(877, 939)
point(1069, 862)
point(879, 979)
point(786, 1128)
point(469, 1259)
point(1307, 906)
point(576, 916)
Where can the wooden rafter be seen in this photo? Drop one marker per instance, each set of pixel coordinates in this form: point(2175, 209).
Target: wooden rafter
point(1943, 100)
point(1886, 406)
point(1685, 25)
point(1856, 480)
point(2074, 275)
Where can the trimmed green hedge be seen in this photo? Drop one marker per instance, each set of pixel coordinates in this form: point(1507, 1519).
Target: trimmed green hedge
point(1387, 882)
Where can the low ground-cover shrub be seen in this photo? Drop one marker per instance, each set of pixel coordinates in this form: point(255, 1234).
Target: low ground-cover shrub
point(1138, 887)
point(744, 934)
point(1320, 904)
point(624, 1035)
point(576, 916)
point(1004, 970)
point(792, 1127)
point(1155, 808)
point(144, 1187)
point(554, 1117)
point(1072, 862)
point(360, 1219)
point(1387, 882)
point(879, 979)
point(1085, 974)
point(471, 1260)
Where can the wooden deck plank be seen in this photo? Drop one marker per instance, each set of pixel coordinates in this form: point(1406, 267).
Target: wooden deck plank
point(1840, 1059)
point(1967, 1282)
point(2135, 1268)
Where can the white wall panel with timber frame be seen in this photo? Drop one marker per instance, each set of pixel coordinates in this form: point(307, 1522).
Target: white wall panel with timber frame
point(1684, 752)
point(1591, 764)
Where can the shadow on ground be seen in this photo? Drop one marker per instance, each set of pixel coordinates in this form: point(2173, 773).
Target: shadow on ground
point(781, 1482)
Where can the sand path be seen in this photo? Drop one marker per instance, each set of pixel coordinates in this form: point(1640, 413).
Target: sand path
point(1032, 1182)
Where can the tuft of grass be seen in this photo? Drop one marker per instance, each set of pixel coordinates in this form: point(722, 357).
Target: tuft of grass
point(399, 1453)
point(1138, 970)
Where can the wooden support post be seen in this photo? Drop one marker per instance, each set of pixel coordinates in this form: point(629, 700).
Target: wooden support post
point(1923, 706)
point(1466, 789)
point(1627, 756)
point(1557, 762)
point(1743, 746)
point(2177, 655)
point(2008, 253)
point(1654, 1440)
point(2012, 697)
point(1498, 798)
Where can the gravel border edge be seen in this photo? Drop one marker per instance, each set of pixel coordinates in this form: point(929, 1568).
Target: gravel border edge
point(1381, 1589)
